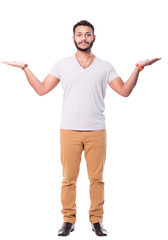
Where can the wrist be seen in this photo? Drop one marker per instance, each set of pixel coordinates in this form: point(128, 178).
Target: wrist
point(24, 66)
point(139, 66)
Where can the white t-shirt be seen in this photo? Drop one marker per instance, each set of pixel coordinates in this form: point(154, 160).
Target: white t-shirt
point(84, 92)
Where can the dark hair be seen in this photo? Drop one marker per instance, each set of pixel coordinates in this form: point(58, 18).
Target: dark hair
point(83, 23)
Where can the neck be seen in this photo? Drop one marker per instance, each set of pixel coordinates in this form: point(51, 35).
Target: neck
point(83, 55)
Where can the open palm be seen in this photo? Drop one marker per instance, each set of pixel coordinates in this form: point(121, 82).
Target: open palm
point(15, 64)
point(148, 62)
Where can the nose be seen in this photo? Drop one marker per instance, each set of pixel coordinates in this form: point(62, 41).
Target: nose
point(83, 37)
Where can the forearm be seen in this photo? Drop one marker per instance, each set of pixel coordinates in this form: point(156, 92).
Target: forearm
point(131, 82)
point(33, 81)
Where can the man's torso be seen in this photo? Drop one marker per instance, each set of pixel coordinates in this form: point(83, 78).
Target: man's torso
point(84, 92)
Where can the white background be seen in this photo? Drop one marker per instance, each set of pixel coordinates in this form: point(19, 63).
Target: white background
point(135, 174)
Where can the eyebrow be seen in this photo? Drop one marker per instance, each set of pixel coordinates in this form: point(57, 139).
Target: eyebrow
point(81, 32)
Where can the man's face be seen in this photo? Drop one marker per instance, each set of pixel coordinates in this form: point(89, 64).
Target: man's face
point(83, 38)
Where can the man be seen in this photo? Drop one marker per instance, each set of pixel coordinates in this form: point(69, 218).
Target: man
point(84, 78)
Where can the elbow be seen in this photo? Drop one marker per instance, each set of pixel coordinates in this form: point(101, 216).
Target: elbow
point(124, 94)
point(40, 90)
point(40, 94)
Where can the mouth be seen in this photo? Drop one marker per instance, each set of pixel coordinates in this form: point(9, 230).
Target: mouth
point(83, 44)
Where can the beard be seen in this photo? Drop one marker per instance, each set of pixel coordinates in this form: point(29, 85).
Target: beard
point(84, 49)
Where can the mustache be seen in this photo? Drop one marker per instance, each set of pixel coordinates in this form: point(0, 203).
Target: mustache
point(84, 42)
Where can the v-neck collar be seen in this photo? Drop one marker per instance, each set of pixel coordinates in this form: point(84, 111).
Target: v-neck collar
point(84, 69)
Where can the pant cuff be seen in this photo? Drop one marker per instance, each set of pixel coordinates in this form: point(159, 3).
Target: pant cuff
point(96, 219)
point(70, 220)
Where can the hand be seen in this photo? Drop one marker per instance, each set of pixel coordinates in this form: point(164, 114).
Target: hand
point(15, 64)
point(148, 62)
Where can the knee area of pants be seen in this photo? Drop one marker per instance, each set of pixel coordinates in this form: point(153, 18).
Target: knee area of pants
point(96, 180)
point(67, 182)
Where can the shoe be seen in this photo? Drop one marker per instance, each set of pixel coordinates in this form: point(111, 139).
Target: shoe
point(99, 229)
point(66, 229)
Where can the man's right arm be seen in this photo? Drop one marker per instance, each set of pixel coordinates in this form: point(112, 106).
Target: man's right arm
point(41, 88)
point(44, 87)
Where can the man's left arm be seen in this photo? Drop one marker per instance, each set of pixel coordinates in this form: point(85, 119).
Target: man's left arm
point(124, 89)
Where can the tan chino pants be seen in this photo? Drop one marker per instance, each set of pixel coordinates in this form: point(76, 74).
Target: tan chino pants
point(72, 143)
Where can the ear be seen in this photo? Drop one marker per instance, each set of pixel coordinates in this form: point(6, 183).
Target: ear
point(73, 38)
point(94, 38)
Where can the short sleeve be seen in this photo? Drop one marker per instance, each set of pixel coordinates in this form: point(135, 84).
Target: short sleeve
point(55, 70)
point(112, 74)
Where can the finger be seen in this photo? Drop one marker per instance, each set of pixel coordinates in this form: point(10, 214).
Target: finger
point(6, 62)
point(10, 63)
point(157, 59)
point(154, 60)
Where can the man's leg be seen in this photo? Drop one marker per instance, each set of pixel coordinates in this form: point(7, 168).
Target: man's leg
point(71, 149)
point(95, 155)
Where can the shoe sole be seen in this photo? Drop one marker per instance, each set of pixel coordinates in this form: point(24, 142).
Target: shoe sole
point(97, 234)
point(73, 229)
